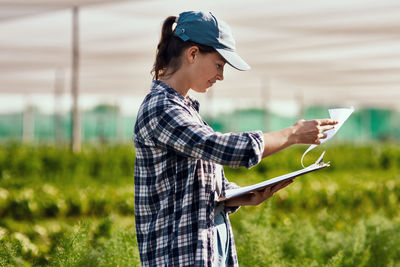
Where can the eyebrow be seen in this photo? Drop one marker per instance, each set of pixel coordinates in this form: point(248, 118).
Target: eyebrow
point(223, 61)
point(220, 58)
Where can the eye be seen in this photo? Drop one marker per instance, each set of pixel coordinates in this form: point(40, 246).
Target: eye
point(219, 66)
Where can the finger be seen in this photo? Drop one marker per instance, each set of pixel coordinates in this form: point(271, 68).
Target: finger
point(265, 190)
point(322, 136)
point(277, 188)
point(289, 182)
point(326, 128)
point(265, 193)
point(281, 185)
point(327, 122)
point(286, 184)
point(272, 190)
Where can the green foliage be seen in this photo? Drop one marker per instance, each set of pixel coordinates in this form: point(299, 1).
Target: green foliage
point(99, 247)
point(52, 200)
point(10, 251)
point(74, 249)
point(63, 209)
point(344, 157)
point(120, 250)
point(59, 163)
point(369, 242)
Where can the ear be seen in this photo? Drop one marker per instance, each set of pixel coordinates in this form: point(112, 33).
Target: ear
point(192, 54)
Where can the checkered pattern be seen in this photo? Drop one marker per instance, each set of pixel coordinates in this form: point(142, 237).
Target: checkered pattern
point(175, 178)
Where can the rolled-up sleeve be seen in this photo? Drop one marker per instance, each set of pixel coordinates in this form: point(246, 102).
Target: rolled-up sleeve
point(176, 130)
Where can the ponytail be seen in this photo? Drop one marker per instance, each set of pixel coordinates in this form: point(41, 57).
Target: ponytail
point(162, 57)
point(169, 50)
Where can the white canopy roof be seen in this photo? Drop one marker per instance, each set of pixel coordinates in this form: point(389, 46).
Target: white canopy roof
point(324, 52)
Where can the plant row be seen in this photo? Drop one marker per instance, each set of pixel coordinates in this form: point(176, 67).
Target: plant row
point(49, 201)
point(114, 161)
point(49, 162)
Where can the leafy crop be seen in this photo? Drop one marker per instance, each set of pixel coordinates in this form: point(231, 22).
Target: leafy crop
point(63, 209)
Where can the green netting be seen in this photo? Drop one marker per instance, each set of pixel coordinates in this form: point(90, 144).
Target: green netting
point(109, 125)
point(11, 126)
point(365, 124)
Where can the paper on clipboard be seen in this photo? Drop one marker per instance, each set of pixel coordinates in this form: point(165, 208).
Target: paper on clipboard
point(319, 164)
point(338, 114)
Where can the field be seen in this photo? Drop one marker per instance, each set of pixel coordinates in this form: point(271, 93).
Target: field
point(61, 209)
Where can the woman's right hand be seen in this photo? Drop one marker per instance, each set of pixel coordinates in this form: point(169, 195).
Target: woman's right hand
point(310, 132)
point(303, 132)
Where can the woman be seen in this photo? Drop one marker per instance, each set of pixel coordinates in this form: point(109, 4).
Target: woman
point(178, 173)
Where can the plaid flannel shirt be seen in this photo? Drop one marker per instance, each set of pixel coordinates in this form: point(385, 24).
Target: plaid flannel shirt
point(175, 178)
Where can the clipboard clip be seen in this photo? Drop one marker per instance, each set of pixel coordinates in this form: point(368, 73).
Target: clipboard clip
point(320, 160)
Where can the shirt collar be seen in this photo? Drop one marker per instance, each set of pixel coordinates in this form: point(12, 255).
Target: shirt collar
point(159, 85)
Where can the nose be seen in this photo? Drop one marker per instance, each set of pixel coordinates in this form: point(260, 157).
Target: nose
point(220, 75)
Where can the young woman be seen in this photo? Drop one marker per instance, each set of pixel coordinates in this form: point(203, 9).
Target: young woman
point(179, 158)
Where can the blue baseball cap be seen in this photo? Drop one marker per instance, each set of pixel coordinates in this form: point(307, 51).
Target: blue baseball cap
point(205, 29)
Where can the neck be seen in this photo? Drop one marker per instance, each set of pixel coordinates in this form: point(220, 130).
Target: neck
point(178, 82)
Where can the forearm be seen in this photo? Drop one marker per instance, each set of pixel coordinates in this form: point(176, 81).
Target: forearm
point(276, 141)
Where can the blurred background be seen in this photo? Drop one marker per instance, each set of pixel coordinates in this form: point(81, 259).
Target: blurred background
point(94, 61)
point(73, 75)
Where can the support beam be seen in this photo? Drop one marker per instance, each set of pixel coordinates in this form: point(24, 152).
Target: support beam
point(76, 122)
point(28, 123)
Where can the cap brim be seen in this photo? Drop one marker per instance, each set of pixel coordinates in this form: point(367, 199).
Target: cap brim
point(233, 59)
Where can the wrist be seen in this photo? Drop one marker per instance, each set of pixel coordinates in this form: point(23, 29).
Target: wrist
point(292, 135)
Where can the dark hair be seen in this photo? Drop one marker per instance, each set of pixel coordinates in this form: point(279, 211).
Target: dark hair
point(170, 48)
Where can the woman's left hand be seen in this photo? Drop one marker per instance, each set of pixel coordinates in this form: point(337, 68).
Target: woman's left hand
point(257, 197)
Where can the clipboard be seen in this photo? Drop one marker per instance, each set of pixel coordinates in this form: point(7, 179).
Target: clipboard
point(318, 165)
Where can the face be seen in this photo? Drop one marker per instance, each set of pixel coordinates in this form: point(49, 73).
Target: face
point(206, 70)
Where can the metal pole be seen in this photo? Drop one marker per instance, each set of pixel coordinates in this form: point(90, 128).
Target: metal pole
point(76, 124)
point(28, 123)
